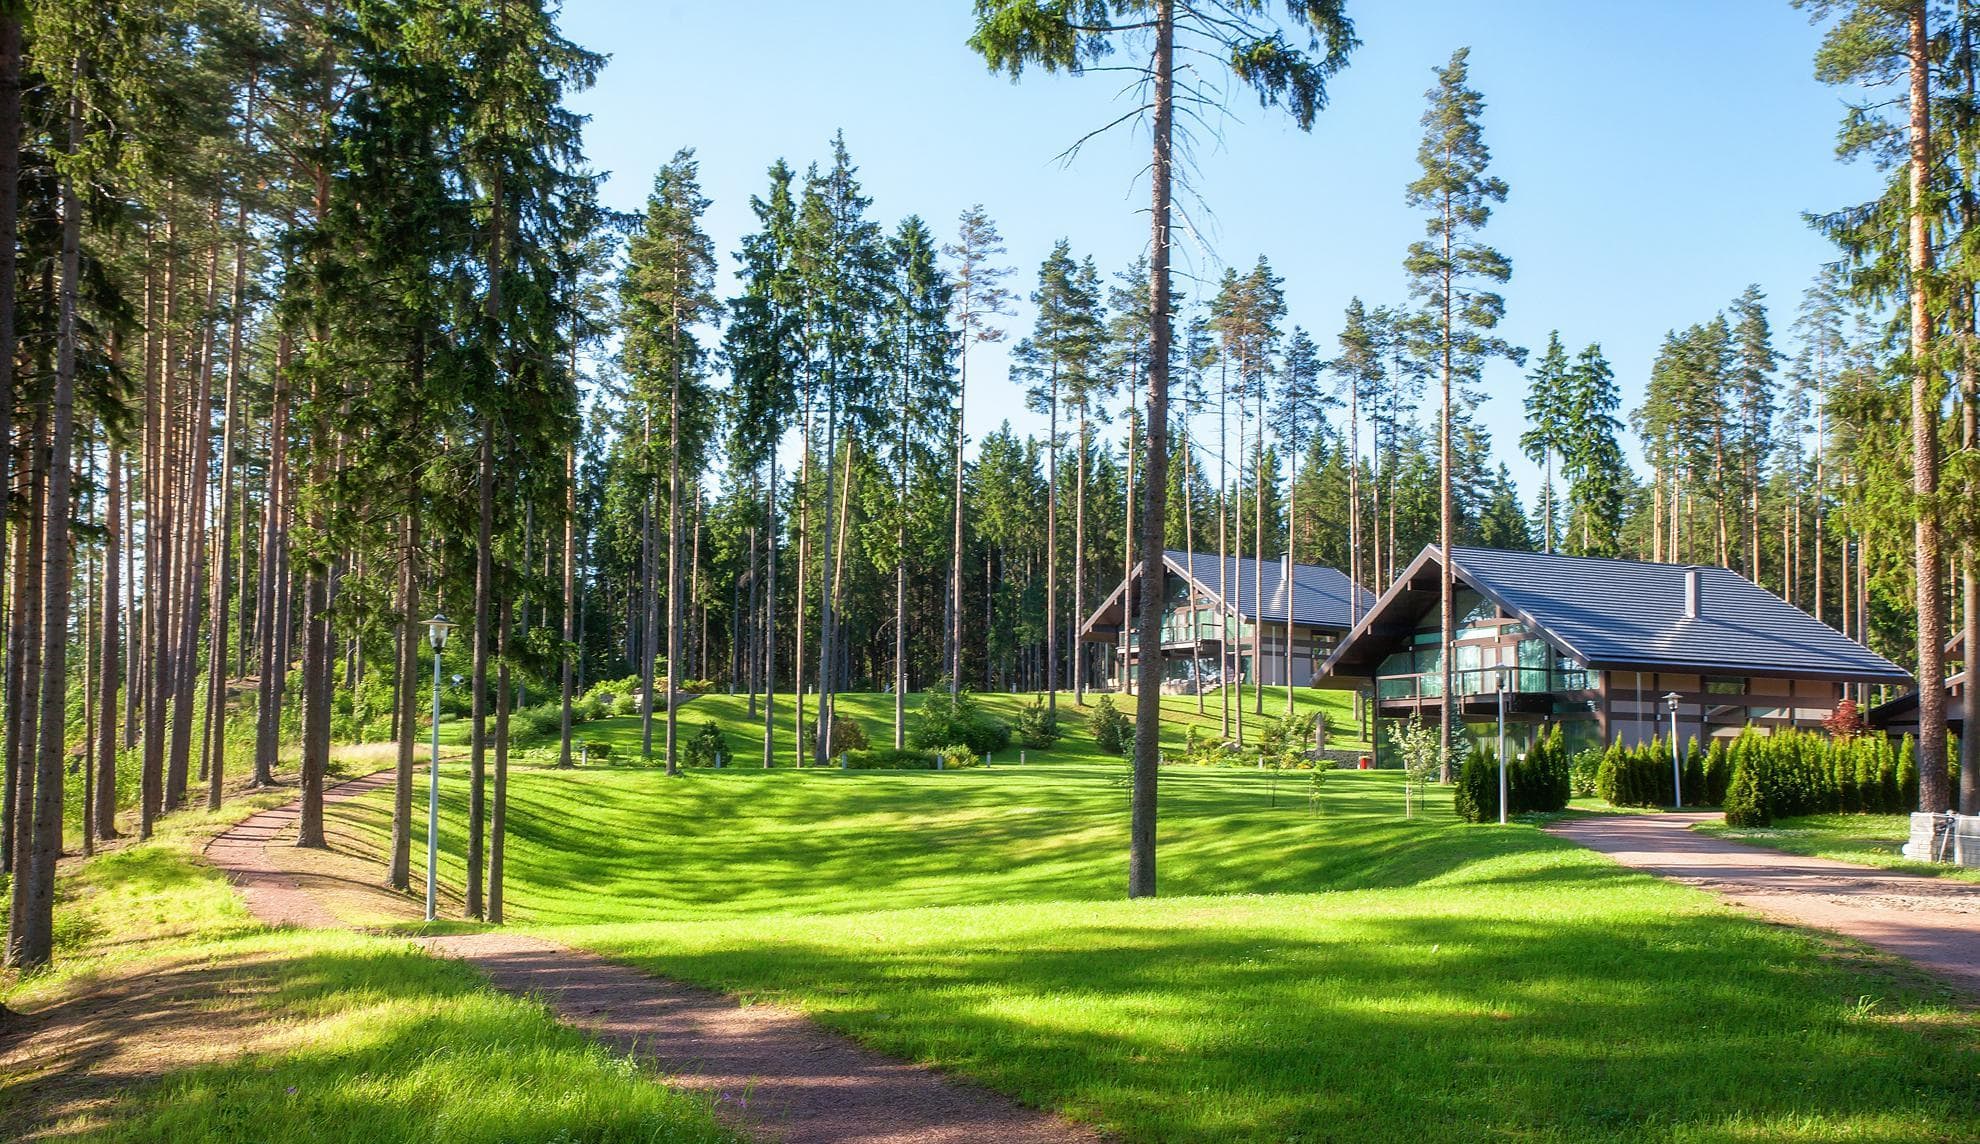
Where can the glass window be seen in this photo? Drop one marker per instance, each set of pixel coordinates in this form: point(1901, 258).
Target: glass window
point(1725, 685)
point(1473, 608)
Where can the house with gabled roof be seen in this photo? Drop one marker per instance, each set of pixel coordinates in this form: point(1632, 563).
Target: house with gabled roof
point(1595, 645)
point(1231, 617)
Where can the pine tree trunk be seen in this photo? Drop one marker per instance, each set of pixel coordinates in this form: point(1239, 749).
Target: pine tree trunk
point(498, 825)
point(674, 569)
point(1933, 792)
point(956, 540)
point(36, 909)
point(649, 607)
point(1148, 705)
point(1051, 672)
point(1079, 569)
point(770, 617)
point(217, 657)
point(272, 610)
point(24, 670)
point(399, 870)
point(110, 644)
point(565, 657)
point(1446, 519)
point(484, 591)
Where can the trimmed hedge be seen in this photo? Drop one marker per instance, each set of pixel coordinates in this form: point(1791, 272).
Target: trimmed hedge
point(1805, 772)
point(1537, 781)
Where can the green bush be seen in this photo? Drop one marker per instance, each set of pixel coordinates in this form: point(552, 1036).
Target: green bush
point(957, 758)
point(1038, 726)
point(597, 749)
point(544, 719)
point(846, 735)
point(1796, 772)
point(626, 703)
point(1110, 729)
point(697, 686)
point(1537, 781)
point(1477, 794)
point(1288, 735)
point(1743, 802)
point(1203, 749)
point(707, 747)
point(589, 708)
point(1582, 771)
point(891, 759)
point(1636, 776)
point(944, 721)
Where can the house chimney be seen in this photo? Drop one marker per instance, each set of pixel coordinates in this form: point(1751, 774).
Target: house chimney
point(1694, 592)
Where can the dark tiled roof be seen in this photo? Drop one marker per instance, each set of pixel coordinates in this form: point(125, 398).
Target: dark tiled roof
point(1320, 594)
point(1630, 614)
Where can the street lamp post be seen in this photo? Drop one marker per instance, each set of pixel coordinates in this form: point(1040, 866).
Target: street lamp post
point(1677, 754)
point(436, 634)
point(1502, 744)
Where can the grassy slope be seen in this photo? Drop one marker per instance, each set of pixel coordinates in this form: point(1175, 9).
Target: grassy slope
point(875, 713)
point(1868, 839)
point(335, 1037)
point(1345, 976)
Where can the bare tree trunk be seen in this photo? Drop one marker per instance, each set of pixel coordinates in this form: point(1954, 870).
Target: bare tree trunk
point(1148, 705)
point(217, 657)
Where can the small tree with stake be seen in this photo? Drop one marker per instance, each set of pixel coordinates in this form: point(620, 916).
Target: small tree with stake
point(1422, 758)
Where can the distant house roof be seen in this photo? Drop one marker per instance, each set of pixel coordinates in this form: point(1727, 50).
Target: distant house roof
point(1321, 596)
point(1631, 615)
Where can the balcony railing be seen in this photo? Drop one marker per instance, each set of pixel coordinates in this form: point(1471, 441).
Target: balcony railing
point(1473, 681)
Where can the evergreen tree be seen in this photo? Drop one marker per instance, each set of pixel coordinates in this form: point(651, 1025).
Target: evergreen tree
point(665, 292)
point(979, 298)
point(1599, 480)
point(1452, 272)
point(1547, 426)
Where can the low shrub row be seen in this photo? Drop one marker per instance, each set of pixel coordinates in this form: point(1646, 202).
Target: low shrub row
point(952, 758)
point(1805, 772)
point(1642, 775)
point(1539, 780)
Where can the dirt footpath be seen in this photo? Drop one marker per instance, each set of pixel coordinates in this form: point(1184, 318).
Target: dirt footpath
point(771, 1072)
point(1933, 922)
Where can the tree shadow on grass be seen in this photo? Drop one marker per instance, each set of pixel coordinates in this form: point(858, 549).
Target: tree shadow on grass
point(314, 1037)
point(1235, 1020)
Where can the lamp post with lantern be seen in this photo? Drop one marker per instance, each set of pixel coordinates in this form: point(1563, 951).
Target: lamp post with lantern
point(1677, 764)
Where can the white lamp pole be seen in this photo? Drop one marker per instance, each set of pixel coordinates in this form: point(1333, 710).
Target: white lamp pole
point(1502, 744)
point(436, 634)
point(1677, 754)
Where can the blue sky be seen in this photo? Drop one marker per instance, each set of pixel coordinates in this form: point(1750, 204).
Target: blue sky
point(1660, 155)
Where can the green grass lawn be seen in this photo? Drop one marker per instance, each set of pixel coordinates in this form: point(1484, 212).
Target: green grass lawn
point(1867, 839)
point(258, 1034)
point(1345, 975)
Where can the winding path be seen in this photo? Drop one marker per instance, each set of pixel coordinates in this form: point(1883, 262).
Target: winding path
point(771, 1072)
point(1933, 922)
